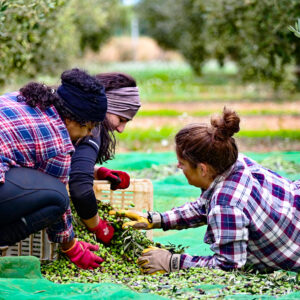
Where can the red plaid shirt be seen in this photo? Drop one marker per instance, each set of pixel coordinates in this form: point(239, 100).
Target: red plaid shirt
point(253, 218)
point(32, 138)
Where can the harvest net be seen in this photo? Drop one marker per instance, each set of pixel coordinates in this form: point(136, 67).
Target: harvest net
point(21, 277)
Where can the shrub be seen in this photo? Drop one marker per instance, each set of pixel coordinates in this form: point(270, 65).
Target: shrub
point(32, 37)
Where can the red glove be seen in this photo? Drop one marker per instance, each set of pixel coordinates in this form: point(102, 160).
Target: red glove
point(118, 179)
point(104, 232)
point(80, 254)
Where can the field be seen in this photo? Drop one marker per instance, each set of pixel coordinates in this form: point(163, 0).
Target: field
point(172, 96)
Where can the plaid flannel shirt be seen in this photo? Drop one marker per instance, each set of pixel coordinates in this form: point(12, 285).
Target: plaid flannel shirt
point(32, 138)
point(253, 218)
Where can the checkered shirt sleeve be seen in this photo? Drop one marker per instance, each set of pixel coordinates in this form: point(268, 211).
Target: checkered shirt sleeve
point(62, 230)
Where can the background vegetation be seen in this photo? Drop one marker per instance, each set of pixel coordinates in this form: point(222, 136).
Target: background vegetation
point(44, 36)
point(253, 33)
point(223, 43)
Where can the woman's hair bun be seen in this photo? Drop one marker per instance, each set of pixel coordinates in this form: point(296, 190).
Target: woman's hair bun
point(227, 125)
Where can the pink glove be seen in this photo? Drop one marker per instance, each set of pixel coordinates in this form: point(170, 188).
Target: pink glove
point(118, 179)
point(104, 232)
point(80, 254)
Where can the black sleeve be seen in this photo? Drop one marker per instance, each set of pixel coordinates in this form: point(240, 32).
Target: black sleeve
point(82, 176)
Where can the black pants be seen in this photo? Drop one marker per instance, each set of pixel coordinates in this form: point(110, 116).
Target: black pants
point(29, 201)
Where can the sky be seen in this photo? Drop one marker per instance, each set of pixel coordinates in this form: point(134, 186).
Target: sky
point(130, 2)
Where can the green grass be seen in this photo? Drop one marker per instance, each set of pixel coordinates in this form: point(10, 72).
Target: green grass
point(204, 113)
point(271, 134)
point(168, 82)
point(142, 139)
point(136, 139)
point(175, 82)
point(166, 132)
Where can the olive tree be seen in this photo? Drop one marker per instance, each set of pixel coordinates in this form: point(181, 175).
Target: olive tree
point(44, 36)
point(31, 38)
point(177, 25)
point(253, 33)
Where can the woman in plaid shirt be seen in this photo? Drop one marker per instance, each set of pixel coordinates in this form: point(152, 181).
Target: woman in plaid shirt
point(252, 213)
point(38, 126)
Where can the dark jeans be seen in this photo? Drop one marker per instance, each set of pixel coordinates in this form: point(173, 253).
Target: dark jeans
point(29, 201)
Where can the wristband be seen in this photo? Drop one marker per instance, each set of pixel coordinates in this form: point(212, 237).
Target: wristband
point(175, 262)
point(154, 218)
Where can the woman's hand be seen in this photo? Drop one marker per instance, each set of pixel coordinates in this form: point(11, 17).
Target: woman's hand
point(81, 255)
point(140, 220)
point(156, 260)
point(118, 179)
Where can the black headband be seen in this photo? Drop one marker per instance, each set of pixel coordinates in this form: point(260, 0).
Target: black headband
point(88, 106)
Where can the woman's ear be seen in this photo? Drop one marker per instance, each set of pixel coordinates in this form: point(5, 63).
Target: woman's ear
point(203, 169)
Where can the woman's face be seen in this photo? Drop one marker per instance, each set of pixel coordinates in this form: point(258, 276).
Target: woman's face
point(77, 131)
point(116, 122)
point(189, 172)
point(195, 176)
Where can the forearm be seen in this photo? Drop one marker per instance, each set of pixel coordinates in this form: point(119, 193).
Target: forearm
point(213, 262)
point(82, 180)
point(191, 214)
point(67, 245)
point(84, 200)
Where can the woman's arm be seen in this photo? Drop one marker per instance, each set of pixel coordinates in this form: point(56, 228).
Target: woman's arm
point(82, 177)
point(191, 214)
point(227, 233)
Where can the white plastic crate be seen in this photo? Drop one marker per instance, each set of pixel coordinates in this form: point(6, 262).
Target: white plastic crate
point(36, 244)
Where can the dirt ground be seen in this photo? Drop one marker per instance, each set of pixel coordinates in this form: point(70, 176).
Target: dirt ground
point(247, 122)
point(192, 106)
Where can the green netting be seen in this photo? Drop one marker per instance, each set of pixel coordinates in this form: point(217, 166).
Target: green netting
point(142, 160)
point(20, 278)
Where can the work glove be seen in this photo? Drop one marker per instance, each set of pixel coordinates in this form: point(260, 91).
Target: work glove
point(104, 232)
point(140, 220)
point(80, 254)
point(156, 260)
point(118, 179)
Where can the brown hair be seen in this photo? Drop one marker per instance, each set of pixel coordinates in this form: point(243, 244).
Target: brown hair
point(214, 145)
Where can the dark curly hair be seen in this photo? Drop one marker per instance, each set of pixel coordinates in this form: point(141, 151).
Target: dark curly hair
point(214, 145)
point(111, 81)
point(43, 96)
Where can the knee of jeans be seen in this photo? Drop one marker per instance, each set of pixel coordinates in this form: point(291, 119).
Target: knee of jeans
point(61, 199)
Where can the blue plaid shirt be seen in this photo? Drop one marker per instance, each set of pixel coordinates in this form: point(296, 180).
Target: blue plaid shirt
point(253, 218)
point(32, 138)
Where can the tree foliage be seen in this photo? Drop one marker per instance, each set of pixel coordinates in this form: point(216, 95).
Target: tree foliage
point(43, 36)
point(30, 39)
point(96, 20)
point(253, 33)
point(177, 25)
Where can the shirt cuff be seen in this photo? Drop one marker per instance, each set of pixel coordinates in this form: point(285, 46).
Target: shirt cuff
point(156, 219)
